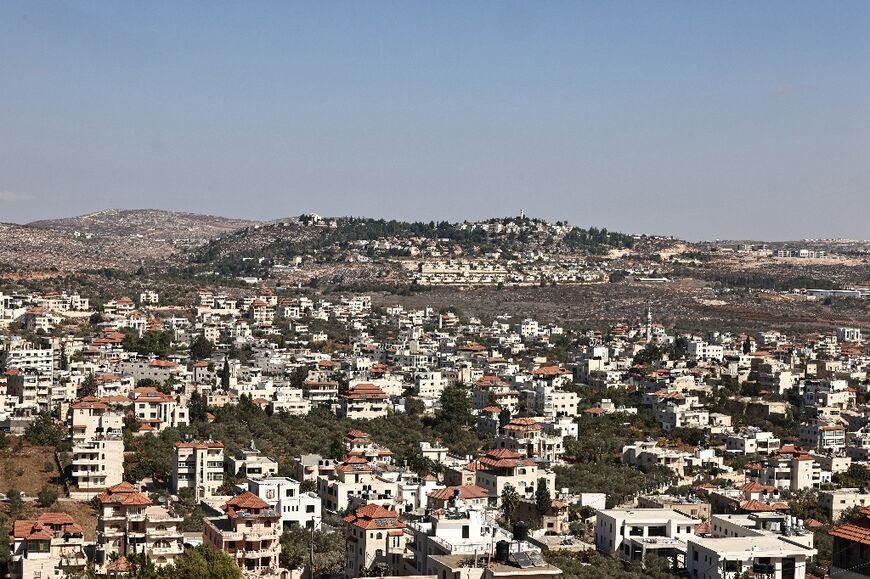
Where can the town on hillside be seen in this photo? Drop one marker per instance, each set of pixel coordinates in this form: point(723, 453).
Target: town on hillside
point(276, 432)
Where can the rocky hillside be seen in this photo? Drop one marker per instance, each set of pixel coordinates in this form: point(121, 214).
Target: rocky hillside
point(152, 224)
point(119, 239)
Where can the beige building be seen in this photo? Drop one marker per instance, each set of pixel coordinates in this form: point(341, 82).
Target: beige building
point(156, 411)
point(40, 548)
point(375, 540)
point(527, 437)
point(198, 466)
point(129, 524)
point(250, 533)
point(98, 463)
point(363, 402)
point(500, 467)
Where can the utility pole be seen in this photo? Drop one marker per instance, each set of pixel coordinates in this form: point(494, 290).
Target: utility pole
point(311, 551)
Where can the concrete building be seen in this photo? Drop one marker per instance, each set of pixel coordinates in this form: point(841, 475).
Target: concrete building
point(632, 534)
point(285, 497)
point(375, 540)
point(766, 544)
point(501, 467)
point(129, 524)
point(363, 402)
point(41, 547)
point(198, 466)
point(250, 532)
point(252, 464)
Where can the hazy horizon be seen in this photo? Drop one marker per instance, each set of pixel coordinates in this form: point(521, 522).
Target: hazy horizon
point(697, 120)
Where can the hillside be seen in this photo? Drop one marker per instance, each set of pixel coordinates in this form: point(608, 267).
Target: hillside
point(119, 239)
point(152, 224)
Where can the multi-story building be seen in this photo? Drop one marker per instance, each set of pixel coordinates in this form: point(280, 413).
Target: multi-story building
point(751, 441)
point(156, 411)
point(98, 462)
point(851, 549)
point(375, 540)
point(129, 524)
point(631, 534)
point(527, 437)
point(455, 531)
point(91, 417)
point(643, 453)
point(198, 466)
point(501, 467)
point(790, 470)
point(834, 503)
point(252, 464)
point(823, 435)
point(760, 545)
point(21, 354)
point(308, 467)
point(354, 480)
point(249, 532)
point(363, 402)
point(290, 401)
point(42, 547)
point(285, 496)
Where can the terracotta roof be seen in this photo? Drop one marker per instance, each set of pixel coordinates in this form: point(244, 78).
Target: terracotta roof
point(365, 392)
point(549, 371)
point(523, 425)
point(375, 517)
point(44, 526)
point(755, 487)
point(855, 532)
point(120, 565)
point(357, 434)
point(199, 445)
point(124, 494)
point(246, 500)
point(465, 492)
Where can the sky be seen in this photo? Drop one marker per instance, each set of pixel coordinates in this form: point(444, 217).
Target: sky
point(698, 119)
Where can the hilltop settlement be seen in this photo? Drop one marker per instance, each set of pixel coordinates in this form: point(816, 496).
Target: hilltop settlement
point(251, 426)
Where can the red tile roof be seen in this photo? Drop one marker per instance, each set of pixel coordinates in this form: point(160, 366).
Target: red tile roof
point(855, 532)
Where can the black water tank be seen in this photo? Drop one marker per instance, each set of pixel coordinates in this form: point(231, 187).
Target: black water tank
point(502, 551)
point(521, 531)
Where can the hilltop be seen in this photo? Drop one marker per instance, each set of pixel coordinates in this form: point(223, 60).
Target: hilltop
point(152, 224)
point(115, 238)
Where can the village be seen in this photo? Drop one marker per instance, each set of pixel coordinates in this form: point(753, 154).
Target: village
point(425, 443)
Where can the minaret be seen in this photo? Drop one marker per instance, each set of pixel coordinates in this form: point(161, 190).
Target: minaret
point(648, 325)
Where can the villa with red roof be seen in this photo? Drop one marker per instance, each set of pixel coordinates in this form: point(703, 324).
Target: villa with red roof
point(250, 532)
point(375, 539)
point(363, 402)
point(42, 545)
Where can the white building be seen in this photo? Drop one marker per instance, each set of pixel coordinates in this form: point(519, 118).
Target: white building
point(198, 466)
point(284, 495)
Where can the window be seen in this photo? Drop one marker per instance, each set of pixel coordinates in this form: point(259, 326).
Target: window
point(466, 531)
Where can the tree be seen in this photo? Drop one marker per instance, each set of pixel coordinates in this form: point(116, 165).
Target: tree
point(197, 407)
point(414, 407)
point(225, 375)
point(337, 449)
point(503, 418)
point(543, 501)
point(46, 497)
point(16, 503)
point(203, 563)
point(510, 499)
point(44, 431)
point(455, 406)
point(89, 386)
point(201, 348)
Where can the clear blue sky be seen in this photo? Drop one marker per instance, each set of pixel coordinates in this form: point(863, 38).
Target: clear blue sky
point(694, 118)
